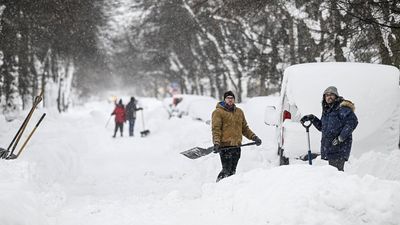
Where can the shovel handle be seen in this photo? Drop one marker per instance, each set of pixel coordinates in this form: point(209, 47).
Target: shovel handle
point(307, 126)
point(251, 143)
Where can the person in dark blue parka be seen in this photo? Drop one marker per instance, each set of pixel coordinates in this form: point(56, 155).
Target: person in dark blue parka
point(337, 123)
point(131, 114)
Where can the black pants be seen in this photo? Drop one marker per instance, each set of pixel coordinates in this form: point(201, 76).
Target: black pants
point(338, 163)
point(229, 160)
point(120, 126)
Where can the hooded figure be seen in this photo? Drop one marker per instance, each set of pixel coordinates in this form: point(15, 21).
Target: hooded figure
point(131, 114)
point(120, 117)
point(337, 124)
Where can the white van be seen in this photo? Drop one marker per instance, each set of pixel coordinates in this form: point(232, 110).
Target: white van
point(374, 90)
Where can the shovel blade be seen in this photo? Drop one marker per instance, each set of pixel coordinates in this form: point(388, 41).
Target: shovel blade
point(144, 133)
point(306, 157)
point(3, 153)
point(12, 156)
point(197, 152)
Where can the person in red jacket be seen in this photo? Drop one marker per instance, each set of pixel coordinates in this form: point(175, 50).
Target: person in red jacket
point(120, 117)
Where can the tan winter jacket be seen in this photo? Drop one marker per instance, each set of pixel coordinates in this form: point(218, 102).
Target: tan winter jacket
point(228, 127)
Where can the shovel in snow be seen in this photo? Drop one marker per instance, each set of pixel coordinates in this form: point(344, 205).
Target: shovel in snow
point(198, 152)
point(309, 155)
point(12, 156)
point(3, 153)
point(9, 152)
point(145, 132)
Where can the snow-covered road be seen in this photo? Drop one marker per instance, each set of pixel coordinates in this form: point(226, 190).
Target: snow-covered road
point(74, 172)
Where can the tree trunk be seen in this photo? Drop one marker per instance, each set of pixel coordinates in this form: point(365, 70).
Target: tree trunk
point(239, 87)
point(65, 72)
point(263, 87)
point(336, 21)
point(292, 51)
point(183, 85)
point(13, 98)
point(212, 85)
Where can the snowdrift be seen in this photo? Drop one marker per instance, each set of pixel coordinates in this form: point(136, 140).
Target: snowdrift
point(74, 173)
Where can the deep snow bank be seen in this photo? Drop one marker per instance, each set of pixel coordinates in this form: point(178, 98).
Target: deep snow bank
point(73, 172)
point(297, 194)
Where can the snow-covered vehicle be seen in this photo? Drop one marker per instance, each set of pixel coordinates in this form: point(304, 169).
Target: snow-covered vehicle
point(374, 89)
point(195, 106)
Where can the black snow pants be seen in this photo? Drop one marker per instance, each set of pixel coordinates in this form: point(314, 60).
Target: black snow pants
point(120, 126)
point(229, 160)
point(338, 163)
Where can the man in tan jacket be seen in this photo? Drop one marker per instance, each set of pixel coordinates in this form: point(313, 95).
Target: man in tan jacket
point(228, 127)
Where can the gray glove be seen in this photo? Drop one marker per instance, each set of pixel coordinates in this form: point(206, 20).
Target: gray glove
point(257, 140)
point(337, 141)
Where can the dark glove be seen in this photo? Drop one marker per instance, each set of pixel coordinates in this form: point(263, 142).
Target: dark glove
point(337, 141)
point(257, 140)
point(306, 118)
point(216, 148)
point(140, 108)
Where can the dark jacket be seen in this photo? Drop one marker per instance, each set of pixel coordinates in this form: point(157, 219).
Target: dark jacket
point(337, 120)
point(131, 110)
point(228, 126)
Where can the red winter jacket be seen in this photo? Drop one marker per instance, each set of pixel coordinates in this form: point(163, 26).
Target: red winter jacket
point(119, 113)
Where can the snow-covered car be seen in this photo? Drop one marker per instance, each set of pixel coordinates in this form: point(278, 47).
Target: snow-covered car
point(374, 90)
point(195, 106)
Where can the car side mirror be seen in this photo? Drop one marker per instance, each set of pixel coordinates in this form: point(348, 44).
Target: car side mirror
point(271, 116)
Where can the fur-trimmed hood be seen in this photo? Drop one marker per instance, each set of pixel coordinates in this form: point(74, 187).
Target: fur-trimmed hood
point(348, 103)
point(339, 102)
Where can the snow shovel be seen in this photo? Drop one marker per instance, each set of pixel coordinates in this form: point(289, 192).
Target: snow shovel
point(12, 156)
point(145, 132)
point(309, 155)
point(198, 152)
point(5, 153)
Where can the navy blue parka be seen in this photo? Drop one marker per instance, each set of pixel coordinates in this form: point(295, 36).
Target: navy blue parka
point(338, 119)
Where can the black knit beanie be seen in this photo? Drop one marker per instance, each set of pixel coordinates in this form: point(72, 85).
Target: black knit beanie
point(228, 93)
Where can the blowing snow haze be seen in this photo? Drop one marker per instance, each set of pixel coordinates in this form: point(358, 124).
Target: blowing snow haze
point(64, 66)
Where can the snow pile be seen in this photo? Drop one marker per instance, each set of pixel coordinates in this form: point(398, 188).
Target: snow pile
point(197, 107)
point(74, 172)
point(19, 201)
point(299, 194)
point(384, 165)
point(202, 109)
point(254, 109)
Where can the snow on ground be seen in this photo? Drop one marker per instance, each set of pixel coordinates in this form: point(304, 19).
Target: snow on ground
point(74, 172)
